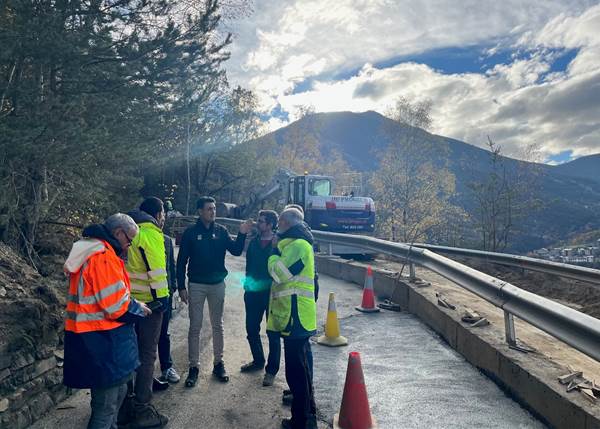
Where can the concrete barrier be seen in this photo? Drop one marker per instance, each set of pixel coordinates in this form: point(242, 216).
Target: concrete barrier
point(529, 378)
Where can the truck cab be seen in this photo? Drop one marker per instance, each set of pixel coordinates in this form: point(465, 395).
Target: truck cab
point(327, 212)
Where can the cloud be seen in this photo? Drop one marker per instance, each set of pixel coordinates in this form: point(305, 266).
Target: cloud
point(337, 46)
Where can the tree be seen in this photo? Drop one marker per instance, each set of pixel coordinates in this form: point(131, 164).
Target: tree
point(412, 185)
point(91, 92)
point(412, 197)
point(214, 160)
point(301, 151)
point(504, 197)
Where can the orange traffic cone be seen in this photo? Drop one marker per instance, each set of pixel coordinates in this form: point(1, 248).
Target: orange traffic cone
point(354, 412)
point(332, 335)
point(368, 299)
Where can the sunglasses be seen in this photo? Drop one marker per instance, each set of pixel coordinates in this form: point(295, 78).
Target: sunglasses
point(129, 240)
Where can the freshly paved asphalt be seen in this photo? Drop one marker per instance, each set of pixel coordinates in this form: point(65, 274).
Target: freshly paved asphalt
point(414, 380)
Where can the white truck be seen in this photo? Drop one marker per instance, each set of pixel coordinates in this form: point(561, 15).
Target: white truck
point(322, 210)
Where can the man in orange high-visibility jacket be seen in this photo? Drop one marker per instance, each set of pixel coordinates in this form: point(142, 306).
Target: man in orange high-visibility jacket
point(100, 343)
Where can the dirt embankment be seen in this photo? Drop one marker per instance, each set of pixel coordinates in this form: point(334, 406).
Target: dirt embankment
point(31, 316)
point(581, 296)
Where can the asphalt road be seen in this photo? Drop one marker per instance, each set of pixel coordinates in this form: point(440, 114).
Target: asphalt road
point(414, 380)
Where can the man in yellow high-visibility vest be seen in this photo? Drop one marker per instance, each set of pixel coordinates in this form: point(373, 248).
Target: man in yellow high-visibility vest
point(146, 265)
point(293, 311)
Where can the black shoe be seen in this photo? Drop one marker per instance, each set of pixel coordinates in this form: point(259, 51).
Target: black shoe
point(287, 399)
point(126, 412)
point(159, 385)
point(146, 416)
point(192, 377)
point(251, 367)
point(287, 424)
point(220, 373)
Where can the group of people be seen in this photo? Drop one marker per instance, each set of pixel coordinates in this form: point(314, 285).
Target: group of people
point(122, 277)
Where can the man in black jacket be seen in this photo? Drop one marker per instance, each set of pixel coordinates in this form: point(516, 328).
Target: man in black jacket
point(202, 251)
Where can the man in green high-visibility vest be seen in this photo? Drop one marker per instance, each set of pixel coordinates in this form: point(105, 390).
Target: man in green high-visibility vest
point(293, 311)
point(146, 266)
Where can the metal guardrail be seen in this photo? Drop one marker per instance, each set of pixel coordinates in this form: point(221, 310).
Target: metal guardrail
point(589, 275)
point(564, 323)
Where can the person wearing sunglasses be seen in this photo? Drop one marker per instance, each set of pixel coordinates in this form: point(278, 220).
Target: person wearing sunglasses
point(101, 351)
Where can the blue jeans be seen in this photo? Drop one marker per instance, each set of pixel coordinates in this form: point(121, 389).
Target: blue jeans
point(257, 306)
point(105, 404)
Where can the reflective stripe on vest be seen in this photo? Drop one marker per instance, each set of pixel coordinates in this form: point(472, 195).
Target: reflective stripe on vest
point(93, 299)
point(137, 276)
point(157, 272)
point(280, 272)
point(147, 288)
point(100, 315)
point(293, 291)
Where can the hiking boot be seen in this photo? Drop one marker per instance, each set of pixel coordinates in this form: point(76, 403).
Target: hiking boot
point(126, 411)
point(287, 399)
point(220, 373)
point(170, 375)
point(159, 385)
point(251, 367)
point(147, 417)
point(268, 380)
point(287, 424)
point(192, 377)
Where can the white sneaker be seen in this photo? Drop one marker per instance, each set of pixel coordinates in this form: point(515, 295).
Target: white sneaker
point(171, 375)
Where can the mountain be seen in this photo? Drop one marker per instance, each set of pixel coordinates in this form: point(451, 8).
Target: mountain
point(570, 192)
point(586, 167)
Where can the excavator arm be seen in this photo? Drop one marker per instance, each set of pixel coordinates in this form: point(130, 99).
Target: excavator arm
point(278, 183)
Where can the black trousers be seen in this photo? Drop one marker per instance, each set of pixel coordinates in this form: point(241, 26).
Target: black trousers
point(164, 342)
point(257, 307)
point(298, 374)
point(148, 333)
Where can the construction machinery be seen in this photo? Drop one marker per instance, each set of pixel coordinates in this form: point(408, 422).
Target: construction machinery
point(322, 210)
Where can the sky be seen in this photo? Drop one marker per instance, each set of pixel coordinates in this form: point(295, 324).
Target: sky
point(521, 72)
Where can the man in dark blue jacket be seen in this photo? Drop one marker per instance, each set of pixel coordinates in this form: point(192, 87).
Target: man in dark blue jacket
point(202, 252)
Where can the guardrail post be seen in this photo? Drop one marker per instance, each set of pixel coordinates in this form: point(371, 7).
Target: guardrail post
point(412, 275)
point(509, 326)
point(511, 336)
point(330, 249)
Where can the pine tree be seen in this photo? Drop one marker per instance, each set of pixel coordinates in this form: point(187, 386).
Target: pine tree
point(92, 93)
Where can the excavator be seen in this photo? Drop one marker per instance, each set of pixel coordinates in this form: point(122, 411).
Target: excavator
point(322, 210)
